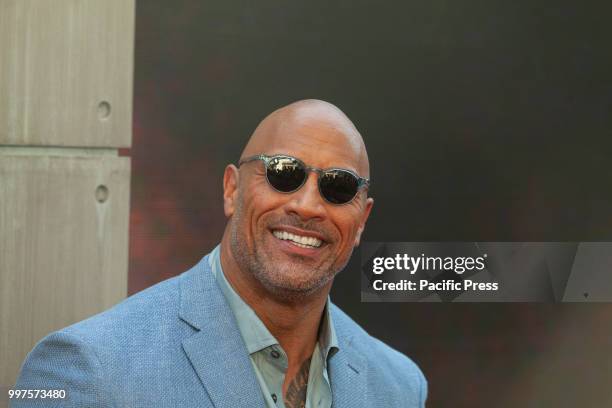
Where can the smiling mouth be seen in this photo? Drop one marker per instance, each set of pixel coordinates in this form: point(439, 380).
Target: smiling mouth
point(298, 240)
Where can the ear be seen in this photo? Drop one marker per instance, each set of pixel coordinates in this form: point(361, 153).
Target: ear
point(364, 218)
point(230, 189)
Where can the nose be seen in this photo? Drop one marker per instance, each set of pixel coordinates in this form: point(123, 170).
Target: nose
point(307, 203)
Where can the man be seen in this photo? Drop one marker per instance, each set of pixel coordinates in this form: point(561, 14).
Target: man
point(251, 325)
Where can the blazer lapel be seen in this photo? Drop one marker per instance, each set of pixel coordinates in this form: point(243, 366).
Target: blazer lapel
point(348, 373)
point(217, 352)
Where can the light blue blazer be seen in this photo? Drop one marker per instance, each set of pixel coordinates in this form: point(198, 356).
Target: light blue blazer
point(176, 344)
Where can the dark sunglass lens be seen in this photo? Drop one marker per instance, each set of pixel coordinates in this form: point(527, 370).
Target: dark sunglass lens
point(338, 187)
point(285, 174)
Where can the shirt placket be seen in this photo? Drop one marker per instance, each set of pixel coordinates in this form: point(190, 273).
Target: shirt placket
point(276, 358)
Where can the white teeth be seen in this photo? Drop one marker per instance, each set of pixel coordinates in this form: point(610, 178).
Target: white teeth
point(303, 242)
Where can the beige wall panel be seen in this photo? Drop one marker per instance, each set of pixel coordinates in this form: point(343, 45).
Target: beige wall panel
point(66, 69)
point(63, 246)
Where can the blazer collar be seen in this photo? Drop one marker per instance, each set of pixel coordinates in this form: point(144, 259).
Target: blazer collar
point(221, 359)
point(216, 350)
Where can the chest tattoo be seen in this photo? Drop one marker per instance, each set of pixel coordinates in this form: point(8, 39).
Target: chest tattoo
point(295, 397)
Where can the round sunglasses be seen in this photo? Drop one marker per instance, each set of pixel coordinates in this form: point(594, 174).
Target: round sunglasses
point(287, 174)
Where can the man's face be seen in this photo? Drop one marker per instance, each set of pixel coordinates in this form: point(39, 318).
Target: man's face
point(266, 226)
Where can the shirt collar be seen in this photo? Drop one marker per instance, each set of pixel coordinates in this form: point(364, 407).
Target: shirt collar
point(255, 334)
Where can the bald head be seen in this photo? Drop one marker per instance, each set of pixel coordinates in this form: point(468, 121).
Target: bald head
point(312, 125)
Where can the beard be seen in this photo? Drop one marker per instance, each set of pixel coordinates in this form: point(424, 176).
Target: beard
point(286, 278)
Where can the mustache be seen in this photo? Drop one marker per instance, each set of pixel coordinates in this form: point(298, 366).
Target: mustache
point(309, 225)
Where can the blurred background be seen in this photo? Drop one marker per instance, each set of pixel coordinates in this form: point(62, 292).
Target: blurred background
point(484, 121)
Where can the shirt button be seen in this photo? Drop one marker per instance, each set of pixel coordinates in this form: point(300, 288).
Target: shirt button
point(274, 397)
point(275, 354)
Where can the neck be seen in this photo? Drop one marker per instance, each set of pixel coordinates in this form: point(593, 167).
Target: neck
point(294, 323)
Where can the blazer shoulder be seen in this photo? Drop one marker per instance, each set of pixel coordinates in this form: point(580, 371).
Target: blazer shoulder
point(62, 361)
point(144, 310)
point(94, 358)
